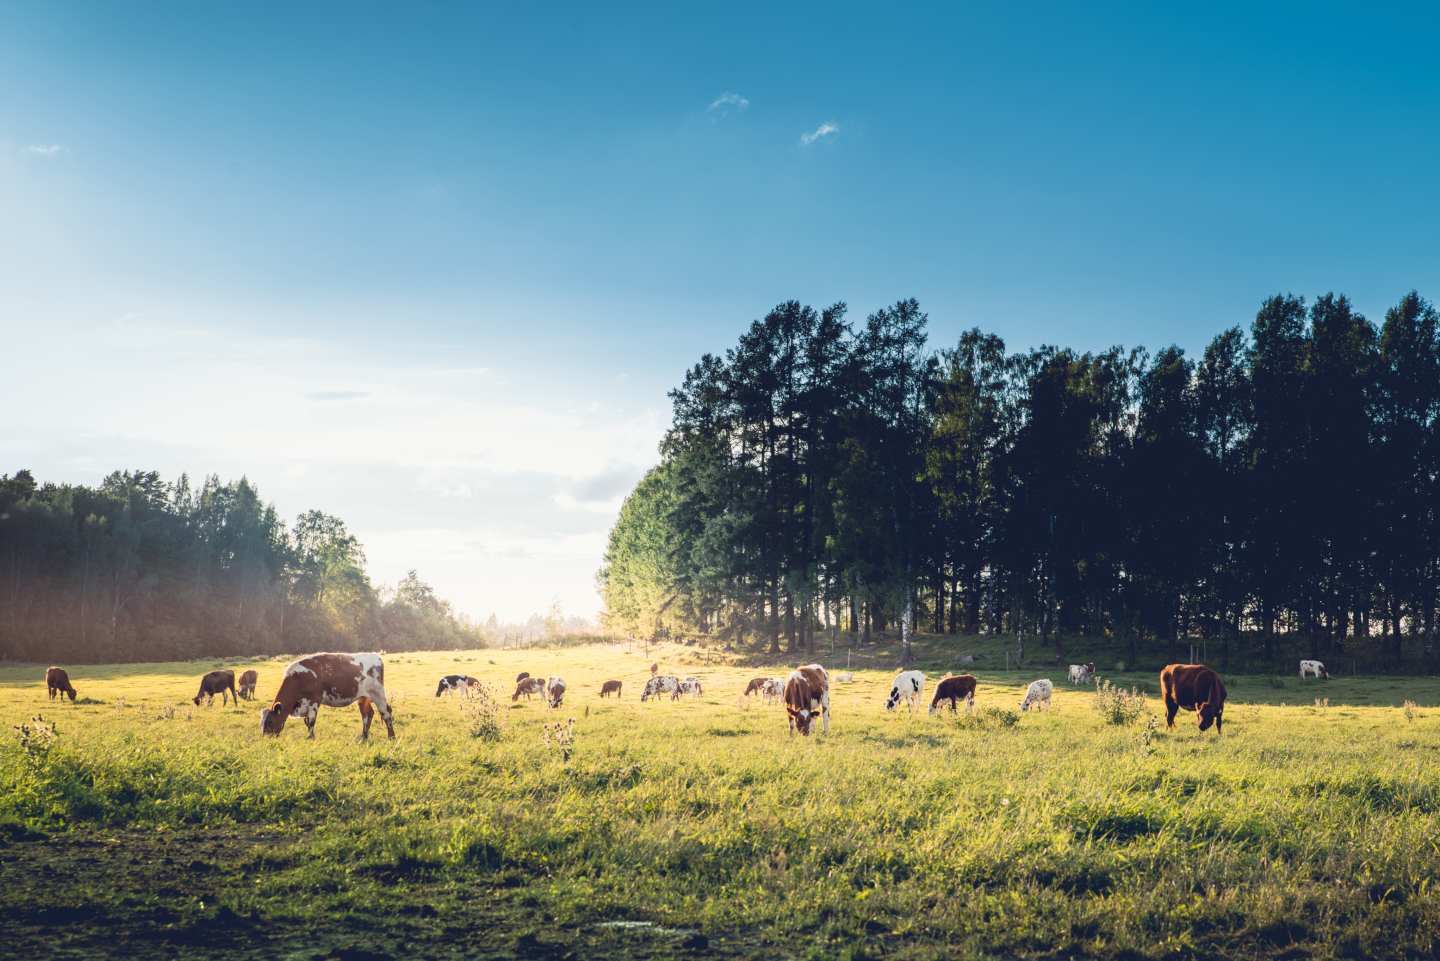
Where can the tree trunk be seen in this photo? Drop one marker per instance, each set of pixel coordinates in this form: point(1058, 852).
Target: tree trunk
point(907, 614)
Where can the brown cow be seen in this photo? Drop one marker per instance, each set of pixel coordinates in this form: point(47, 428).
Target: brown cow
point(807, 693)
point(954, 688)
point(58, 682)
point(248, 681)
point(1196, 688)
point(654, 669)
point(610, 687)
point(529, 687)
point(335, 680)
point(217, 682)
point(756, 686)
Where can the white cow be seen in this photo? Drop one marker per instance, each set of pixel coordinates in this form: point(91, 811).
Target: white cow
point(1038, 693)
point(1082, 673)
point(691, 685)
point(907, 688)
point(554, 691)
point(845, 677)
point(666, 684)
point(1313, 669)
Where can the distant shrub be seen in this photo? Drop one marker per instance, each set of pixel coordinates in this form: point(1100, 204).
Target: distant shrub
point(1322, 703)
point(560, 737)
point(1148, 732)
point(1001, 717)
point(1117, 705)
point(1409, 708)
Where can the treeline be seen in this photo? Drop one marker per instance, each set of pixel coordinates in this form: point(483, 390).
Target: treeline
point(1284, 486)
point(142, 569)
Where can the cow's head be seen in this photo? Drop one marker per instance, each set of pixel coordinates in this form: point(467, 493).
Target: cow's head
point(272, 719)
point(893, 699)
point(804, 718)
point(1208, 712)
point(195, 700)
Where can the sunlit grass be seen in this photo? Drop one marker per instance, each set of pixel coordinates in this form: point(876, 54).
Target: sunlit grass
point(1299, 829)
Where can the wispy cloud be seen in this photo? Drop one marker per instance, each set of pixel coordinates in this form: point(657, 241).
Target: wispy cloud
point(826, 129)
point(338, 394)
point(46, 149)
point(728, 103)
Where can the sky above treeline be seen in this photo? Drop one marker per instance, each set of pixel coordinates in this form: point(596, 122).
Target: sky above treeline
point(432, 268)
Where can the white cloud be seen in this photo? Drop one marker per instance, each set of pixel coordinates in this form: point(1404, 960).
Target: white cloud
point(46, 149)
point(729, 102)
point(826, 129)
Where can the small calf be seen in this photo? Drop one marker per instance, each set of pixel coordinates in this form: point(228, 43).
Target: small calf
point(691, 685)
point(954, 688)
point(528, 688)
point(217, 682)
point(906, 687)
point(57, 682)
point(1038, 693)
point(610, 687)
point(248, 681)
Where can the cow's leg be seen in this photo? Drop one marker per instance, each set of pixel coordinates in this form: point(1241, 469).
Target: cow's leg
point(825, 713)
point(366, 713)
point(1219, 723)
point(377, 697)
point(310, 715)
point(1171, 708)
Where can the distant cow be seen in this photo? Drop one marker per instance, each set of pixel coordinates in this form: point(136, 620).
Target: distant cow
point(58, 682)
point(1082, 673)
point(528, 688)
point(906, 687)
point(248, 680)
point(217, 682)
point(610, 687)
point(769, 688)
point(521, 676)
point(954, 688)
point(1313, 669)
point(845, 677)
point(461, 684)
point(807, 693)
point(554, 691)
point(666, 684)
point(334, 680)
point(967, 658)
point(654, 669)
point(1196, 688)
point(1038, 693)
point(691, 685)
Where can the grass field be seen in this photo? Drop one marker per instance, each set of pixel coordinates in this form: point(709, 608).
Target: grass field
point(696, 829)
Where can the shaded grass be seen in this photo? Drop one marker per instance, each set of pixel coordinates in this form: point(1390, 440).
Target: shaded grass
point(912, 837)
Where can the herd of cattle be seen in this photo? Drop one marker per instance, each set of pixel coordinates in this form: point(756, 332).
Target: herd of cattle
point(339, 680)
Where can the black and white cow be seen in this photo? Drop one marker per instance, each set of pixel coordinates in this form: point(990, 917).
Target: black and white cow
point(660, 684)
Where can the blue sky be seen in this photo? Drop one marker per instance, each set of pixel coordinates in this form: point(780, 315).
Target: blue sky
point(433, 267)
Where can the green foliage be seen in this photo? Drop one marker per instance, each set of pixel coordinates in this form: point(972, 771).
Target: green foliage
point(1117, 705)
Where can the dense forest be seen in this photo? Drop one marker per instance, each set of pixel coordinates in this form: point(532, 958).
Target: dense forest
point(1280, 491)
point(141, 569)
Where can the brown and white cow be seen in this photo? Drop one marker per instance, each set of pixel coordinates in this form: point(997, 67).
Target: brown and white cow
point(217, 682)
point(610, 687)
point(1194, 687)
point(528, 688)
point(334, 680)
point(248, 680)
point(954, 688)
point(461, 684)
point(807, 693)
point(58, 682)
point(554, 691)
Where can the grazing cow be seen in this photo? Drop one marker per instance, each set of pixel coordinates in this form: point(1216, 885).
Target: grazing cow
point(691, 685)
point(521, 676)
point(248, 681)
point(907, 688)
point(756, 686)
point(1313, 669)
point(610, 687)
point(58, 682)
point(807, 693)
point(1038, 693)
point(667, 684)
point(845, 677)
point(954, 688)
point(554, 691)
point(1082, 673)
point(528, 688)
point(334, 680)
point(1196, 688)
point(461, 684)
point(217, 682)
point(769, 689)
